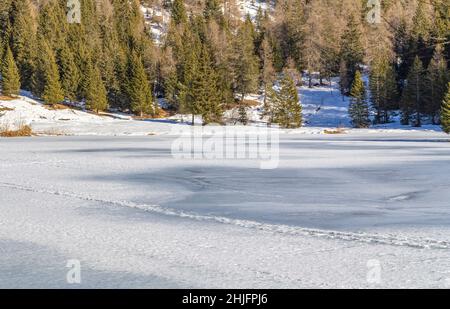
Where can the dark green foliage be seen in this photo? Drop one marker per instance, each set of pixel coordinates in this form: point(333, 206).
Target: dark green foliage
point(10, 82)
point(139, 91)
point(287, 107)
point(359, 109)
point(245, 61)
point(435, 85)
point(52, 91)
point(94, 89)
point(413, 97)
point(445, 111)
point(206, 93)
point(70, 77)
point(352, 53)
point(383, 88)
point(178, 12)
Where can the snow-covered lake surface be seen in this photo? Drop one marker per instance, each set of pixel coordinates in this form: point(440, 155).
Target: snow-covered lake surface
point(134, 216)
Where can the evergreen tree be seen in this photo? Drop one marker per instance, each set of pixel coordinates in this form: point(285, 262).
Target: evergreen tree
point(268, 70)
point(178, 12)
point(23, 39)
point(188, 73)
point(413, 94)
point(435, 84)
point(52, 92)
point(359, 109)
point(139, 90)
point(352, 51)
point(288, 110)
point(94, 89)
point(10, 81)
point(213, 10)
point(245, 61)
point(70, 77)
point(205, 88)
point(270, 104)
point(445, 111)
point(383, 88)
point(242, 111)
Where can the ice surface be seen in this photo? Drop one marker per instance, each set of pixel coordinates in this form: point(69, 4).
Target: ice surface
point(129, 211)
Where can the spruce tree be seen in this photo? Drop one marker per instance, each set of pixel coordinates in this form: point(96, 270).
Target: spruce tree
point(352, 51)
point(245, 61)
point(205, 90)
point(413, 96)
point(435, 84)
point(445, 111)
point(10, 81)
point(270, 104)
point(178, 12)
point(52, 92)
point(94, 89)
point(288, 110)
point(188, 74)
point(138, 87)
point(268, 70)
point(383, 88)
point(212, 10)
point(23, 40)
point(70, 77)
point(359, 109)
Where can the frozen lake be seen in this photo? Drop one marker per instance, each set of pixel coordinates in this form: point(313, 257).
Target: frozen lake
point(137, 217)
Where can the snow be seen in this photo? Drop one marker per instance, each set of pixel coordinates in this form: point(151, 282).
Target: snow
point(109, 193)
point(251, 7)
point(137, 217)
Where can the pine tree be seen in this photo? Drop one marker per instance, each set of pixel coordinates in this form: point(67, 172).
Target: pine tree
point(205, 90)
point(94, 89)
point(288, 110)
point(178, 12)
point(445, 111)
point(245, 61)
point(52, 91)
point(359, 109)
point(10, 75)
point(268, 71)
point(352, 51)
point(213, 10)
point(383, 88)
point(270, 104)
point(138, 89)
point(242, 112)
point(435, 84)
point(188, 73)
point(70, 77)
point(413, 94)
point(23, 40)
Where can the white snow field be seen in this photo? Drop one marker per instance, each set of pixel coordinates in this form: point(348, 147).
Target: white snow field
point(356, 210)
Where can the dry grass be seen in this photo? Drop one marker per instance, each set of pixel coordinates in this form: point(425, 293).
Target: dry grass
point(160, 114)
point(55, 107)
point(52, 132)
point(335, 131)
point(248, 103)
point(5, 98)
point(5, 109)
point(23, 130)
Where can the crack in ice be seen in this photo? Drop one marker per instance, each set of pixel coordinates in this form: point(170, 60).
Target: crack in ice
point(394, 240)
